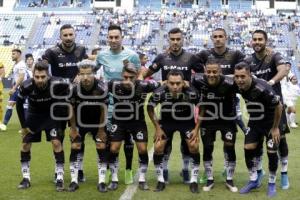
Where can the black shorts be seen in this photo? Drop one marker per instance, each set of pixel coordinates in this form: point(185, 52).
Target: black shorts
point(184, 129)
point(84, 131)
point(283, 126)
point(255, 134)
point(120, 130)
point(39, 123)
point(208, 135)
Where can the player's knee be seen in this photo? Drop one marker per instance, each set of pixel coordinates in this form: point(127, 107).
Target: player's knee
point(193, 148)
point(100, 145)
point(159, 148)
point(142, 149)
point(26, 147)
point(251, 146)
point(76, 146)
point(56, 144)
point(114, 148)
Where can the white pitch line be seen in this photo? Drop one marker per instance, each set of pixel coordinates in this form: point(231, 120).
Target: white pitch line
point(131, 189)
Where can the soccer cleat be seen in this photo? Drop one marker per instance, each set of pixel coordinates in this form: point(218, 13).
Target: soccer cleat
point(59, 185)
point(3, 127)
point(113, 185)
point(271, 190)
point(293, 125)
point(194, 187)
point(143, 186)
point(81, 177)
point(185, 176)
point(128, 177)
point(160, 186)
point(25, 183)
point(166, 175)
point(260, 176)
point(285, 184)
point(230, 185)
point(102, 187)
point(73, 187)
point(247, 188)
point(203, 178)
point(209, 185)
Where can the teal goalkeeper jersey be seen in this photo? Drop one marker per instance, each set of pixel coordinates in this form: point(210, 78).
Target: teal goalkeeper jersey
point(112, 63)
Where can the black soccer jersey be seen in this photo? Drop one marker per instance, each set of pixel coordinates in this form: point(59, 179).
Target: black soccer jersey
point(261, 101)
point(88, 103)
point(129, 101)
point(266, 68)
point(227, 60)
point(178, 109)
point(40, 100)
point(62, 63)
point(218, 101)
point(185, 62)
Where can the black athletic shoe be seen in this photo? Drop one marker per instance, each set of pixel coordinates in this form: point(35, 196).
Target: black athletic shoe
point(73, 186)
point(160, 186)
point(25, 183)
point(81, 177)
point(102, 187)
point(194, 187)
point(113, 185)
point(59, 185)
point(209, 185)
point(143, 186)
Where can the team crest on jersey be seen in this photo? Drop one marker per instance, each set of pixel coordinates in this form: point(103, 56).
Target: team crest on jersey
point(228, 56)
point(270, 143)
point(140, 135)
point(228, 135)
point(53, 133)
point(114, 128)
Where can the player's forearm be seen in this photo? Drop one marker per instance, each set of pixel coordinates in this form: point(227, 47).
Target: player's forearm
point(277, 115)
point(152, 116)
point(283, 71)
point(199, 118)
point(73, 120)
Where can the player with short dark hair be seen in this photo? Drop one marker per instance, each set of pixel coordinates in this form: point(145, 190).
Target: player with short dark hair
point(269, 65)
point(111, 61)
point(227, 58)
point(264, 108)
point(177, 58)
point(40, 91)
point(218, 100)
point(89, 100)
point(176, 114)
point(63, 59)
point(128, 119)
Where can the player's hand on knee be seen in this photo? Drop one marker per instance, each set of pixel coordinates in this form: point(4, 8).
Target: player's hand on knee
point(101, 135)
point(159, 135)
point(275, 135)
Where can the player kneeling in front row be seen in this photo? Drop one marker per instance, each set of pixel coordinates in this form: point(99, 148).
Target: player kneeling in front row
point(128, 118)
point(89, 100)
point(39, 90)
point(177, 107)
